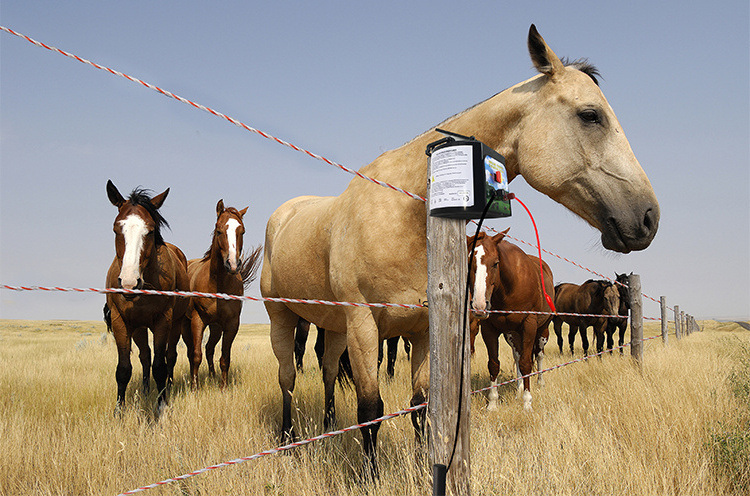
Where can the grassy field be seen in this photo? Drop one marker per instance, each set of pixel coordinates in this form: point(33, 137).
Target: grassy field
point(682, 427)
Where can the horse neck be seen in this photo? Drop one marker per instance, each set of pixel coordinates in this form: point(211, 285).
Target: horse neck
point(497, 122)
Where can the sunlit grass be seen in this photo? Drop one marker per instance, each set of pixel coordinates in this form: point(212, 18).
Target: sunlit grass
point(598, 427)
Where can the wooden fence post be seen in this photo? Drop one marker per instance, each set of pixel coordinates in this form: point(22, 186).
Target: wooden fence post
point(683, 328)
point(664, 321)
point(636, 318)
point(449, 402)
point(677, 330)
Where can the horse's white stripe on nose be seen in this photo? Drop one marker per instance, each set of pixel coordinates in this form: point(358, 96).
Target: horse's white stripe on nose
point(233, 256)
point(479, 301)
point(134, 231)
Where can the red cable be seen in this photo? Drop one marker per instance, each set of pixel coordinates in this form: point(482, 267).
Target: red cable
point(551, 304)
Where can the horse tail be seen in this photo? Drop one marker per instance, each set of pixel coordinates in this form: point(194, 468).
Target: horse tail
point(249, 266)
point(108, 317)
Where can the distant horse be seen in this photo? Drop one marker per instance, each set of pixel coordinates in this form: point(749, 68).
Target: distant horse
point(621, 324)
point(369, 243)
point(504, 277)
point(143, 260)
point(591, 297)
point(221, 270)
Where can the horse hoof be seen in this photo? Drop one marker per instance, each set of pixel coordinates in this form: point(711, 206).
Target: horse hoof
point(492, 407)
point(119, 409)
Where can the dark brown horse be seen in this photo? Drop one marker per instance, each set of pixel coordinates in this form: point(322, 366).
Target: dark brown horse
point(143, 260)
point(591, 297)
point(221, 270)
point(619, 324)
point(504, 277)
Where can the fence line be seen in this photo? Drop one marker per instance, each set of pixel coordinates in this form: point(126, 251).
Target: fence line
point(355, 427)
point(268, 136)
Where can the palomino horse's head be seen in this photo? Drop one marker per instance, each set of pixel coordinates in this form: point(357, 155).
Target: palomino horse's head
point(484, 276)
point(572, 148)
point(228, 235)
point(137, 232)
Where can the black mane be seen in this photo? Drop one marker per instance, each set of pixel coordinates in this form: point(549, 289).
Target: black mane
point(585, 67)
point(140, 196)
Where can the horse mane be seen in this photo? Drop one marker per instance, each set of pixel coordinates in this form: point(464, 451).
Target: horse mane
point(141, 197)
point(584, 66)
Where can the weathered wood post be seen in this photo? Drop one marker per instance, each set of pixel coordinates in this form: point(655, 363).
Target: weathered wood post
point(447, 263)
point(677, 330)
point(664, 321)
point(636, 318)
point(683, 328)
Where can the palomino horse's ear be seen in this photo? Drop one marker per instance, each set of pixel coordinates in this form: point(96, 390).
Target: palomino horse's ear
point(114, 195)
point(243, 212)
point(499, 236)
point(220, 208)
point(542, 55)
point(158, 200)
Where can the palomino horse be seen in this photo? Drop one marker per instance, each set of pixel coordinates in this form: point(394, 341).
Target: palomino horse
point(369, 243)
point(143, 260)
point(591, 298)
point(221, 270)
point(619, 324)
point(504, 277)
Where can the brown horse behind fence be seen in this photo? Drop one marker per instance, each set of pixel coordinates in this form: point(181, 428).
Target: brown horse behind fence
point(221, 270)
point(591, 297)
point(504, 277)
point(143, 260)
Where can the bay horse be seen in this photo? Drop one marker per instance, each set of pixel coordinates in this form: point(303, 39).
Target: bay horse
point(143, 260)
point(591, 297)
point(221, 270)
point(620, 324)
point(504, 277)
point(368, 244)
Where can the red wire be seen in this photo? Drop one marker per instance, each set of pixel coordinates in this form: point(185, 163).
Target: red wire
point(539, 247)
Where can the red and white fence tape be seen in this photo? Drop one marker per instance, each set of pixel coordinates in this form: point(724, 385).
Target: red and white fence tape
point(212, 112)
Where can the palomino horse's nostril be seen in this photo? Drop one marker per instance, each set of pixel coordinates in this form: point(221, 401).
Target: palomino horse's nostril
point(649, 221)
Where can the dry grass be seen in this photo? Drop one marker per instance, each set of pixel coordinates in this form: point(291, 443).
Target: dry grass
point(599, 427)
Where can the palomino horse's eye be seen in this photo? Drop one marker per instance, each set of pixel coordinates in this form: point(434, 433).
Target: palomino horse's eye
point(590, 116)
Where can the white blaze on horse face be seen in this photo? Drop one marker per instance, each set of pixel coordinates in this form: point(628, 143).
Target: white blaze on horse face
point(232, 256)
point(479, 300)
point(134, 230)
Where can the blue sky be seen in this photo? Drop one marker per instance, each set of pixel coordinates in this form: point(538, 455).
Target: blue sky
point(350, 81)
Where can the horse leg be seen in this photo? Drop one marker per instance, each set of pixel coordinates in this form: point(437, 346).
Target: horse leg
point(320, 345)
point(362, 343)
point(542, 335)
point(584, 338)
point(178, 329)
point(392, 352)
point(572, 330)
point(214, 335)
point(161, 330)
point(140, 336)
point(195, 352)
point(335, 344)
point(124, 367)
point(557, 325)
point(230, 332)
point(610, 336)
point(420, 381)
point(490, 338)
point(283, 324)
point(300, 342)
point(623, 327)
point(525, 360)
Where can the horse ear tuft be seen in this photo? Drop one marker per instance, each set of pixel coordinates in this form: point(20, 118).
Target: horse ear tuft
point(499, 236)
point(542, 56)
point(220, 207)
point(243, 211)
point(114, 195)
